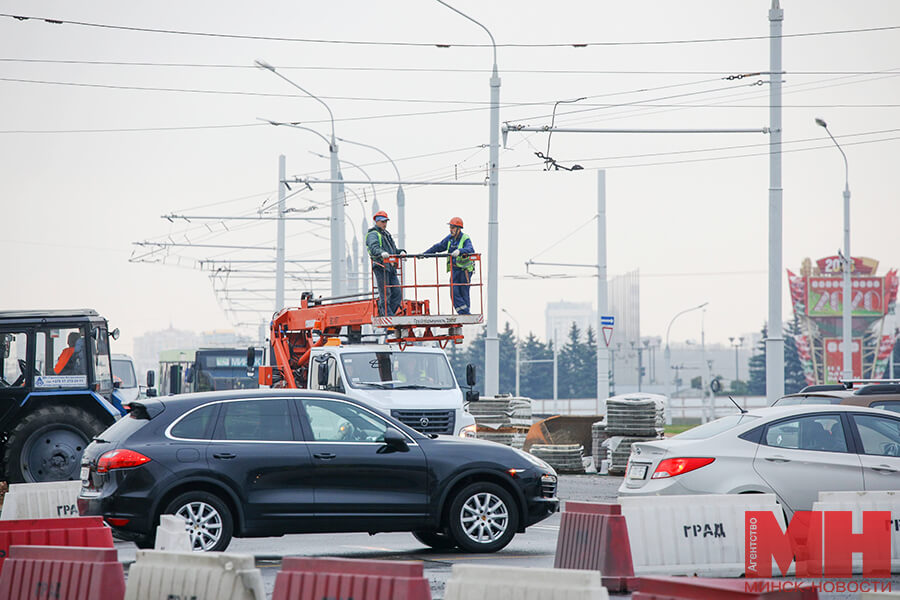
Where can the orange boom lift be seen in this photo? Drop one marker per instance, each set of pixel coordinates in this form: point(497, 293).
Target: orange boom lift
point(323, 321)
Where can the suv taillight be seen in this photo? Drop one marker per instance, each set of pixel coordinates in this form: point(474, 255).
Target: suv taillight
point(120, 459)
point(671, 467)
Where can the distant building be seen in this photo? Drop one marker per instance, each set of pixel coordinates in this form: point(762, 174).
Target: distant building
point(561, 315)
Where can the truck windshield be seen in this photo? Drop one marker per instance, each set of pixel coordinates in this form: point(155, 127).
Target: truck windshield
point(398, 370)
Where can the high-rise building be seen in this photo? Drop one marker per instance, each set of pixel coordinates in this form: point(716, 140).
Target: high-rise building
point(561, 315)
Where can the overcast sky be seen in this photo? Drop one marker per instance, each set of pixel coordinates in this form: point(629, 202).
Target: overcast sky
point(690, 211)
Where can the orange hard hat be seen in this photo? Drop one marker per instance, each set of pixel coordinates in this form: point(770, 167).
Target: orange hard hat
point(456, 222)
point(380, 214)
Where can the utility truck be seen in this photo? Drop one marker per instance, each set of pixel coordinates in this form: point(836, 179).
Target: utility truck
point(322, 345)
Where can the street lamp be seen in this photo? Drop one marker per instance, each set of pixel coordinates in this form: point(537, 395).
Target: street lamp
point(736, 346)
point(847, 265)
point(518, 331)
point(338, 259)
point(401, 197)
point(491, 342)
point(668, 353)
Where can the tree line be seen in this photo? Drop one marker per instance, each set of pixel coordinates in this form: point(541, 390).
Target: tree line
point(576, 364)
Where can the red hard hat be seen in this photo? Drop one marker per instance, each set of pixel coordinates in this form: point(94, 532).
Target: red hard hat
point(456, 222)
point(380, 213)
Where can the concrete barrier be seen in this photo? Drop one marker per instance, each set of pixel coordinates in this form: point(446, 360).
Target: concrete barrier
point(49, 500)
point(159, 575)
point(859, 502)
point(89, 532)
point(484, 582)
point(172, 535)
point(68, 573)
point(594, 537)
point(692, 535)
point(304, 578)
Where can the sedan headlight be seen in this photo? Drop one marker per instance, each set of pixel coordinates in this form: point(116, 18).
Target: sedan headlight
point(534, 460)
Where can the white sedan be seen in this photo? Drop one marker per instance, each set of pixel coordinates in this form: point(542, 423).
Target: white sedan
point(792, 451)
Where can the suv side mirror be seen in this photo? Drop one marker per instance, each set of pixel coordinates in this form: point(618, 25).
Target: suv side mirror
point(251, 357)
point(395, 440)
point(471, 375)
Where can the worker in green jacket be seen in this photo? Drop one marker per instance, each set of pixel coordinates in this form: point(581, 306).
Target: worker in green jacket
point(381, 245)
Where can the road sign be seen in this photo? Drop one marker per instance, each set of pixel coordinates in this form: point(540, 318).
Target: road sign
point(607, 323)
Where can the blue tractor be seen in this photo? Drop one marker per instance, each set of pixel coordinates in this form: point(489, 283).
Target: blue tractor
point(56, 391)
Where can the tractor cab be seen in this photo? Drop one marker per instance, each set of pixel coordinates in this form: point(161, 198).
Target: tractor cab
point(56, 387)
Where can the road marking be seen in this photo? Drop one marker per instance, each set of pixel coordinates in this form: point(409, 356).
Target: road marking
point(377, 548)
point(547, 527)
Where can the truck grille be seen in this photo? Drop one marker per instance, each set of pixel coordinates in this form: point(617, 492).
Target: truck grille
point(427, 421)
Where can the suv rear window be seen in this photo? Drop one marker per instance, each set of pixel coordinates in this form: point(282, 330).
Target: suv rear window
point(197, 425)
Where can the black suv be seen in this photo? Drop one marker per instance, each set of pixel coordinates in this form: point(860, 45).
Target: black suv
point(259, 463)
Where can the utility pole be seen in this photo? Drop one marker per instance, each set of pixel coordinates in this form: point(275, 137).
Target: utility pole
point(491, 340)
point(774, 339)
point(602, 296)
point(279, 244)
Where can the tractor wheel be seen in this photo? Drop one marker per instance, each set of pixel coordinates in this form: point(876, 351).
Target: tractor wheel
point(48, 443)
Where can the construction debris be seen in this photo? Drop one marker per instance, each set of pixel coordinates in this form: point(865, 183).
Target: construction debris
point(504, 419)
point(564, 458)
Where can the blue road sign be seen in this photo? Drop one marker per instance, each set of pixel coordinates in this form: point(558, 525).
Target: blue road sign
point(607, 320)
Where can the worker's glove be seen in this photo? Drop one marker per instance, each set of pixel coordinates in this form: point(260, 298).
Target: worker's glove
point(384, 255)
point(455, 253)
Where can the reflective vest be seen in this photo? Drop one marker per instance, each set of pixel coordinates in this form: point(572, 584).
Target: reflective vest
point(462, 262)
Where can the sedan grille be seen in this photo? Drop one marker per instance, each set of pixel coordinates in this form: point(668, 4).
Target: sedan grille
point(548, 486)
point(441, 422)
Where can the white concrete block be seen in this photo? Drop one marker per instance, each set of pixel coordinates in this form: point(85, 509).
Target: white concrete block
point(857, 503)
point(205, 575)
point(172, 535)
point(49, 500)
point(699, 535)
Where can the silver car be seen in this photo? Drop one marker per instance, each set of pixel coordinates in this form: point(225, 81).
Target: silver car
point(792, 451)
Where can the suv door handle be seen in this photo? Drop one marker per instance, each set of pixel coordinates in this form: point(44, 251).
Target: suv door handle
point(777, 459)
point(884, 469)
point(325, 455)
point(224, 455)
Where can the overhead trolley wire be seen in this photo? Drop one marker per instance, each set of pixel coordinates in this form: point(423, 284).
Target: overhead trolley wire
point(122, 63)
point(574, 44)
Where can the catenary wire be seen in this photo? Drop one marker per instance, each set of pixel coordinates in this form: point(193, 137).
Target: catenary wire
point(54, 21)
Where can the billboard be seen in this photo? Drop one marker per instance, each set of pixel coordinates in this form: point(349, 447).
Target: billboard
point(817, 295)
point(826, 294)
point(834, 359)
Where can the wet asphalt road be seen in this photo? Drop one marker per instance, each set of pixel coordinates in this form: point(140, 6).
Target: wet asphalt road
point(536, 548)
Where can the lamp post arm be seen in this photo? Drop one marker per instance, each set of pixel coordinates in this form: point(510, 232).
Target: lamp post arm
point(488, 31)
point(379, 150)
point(264, 65)
point(295, 126)
point(846, 164)
point(687, 310)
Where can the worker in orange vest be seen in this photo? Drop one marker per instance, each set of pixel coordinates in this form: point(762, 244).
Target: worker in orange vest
point(458, 245)
point(67, 361)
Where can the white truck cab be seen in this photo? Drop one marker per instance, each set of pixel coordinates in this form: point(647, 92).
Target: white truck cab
point(415, 386)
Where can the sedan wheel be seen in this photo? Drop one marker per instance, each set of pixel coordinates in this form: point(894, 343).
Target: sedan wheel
point(207, 520)
point(483, 518)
